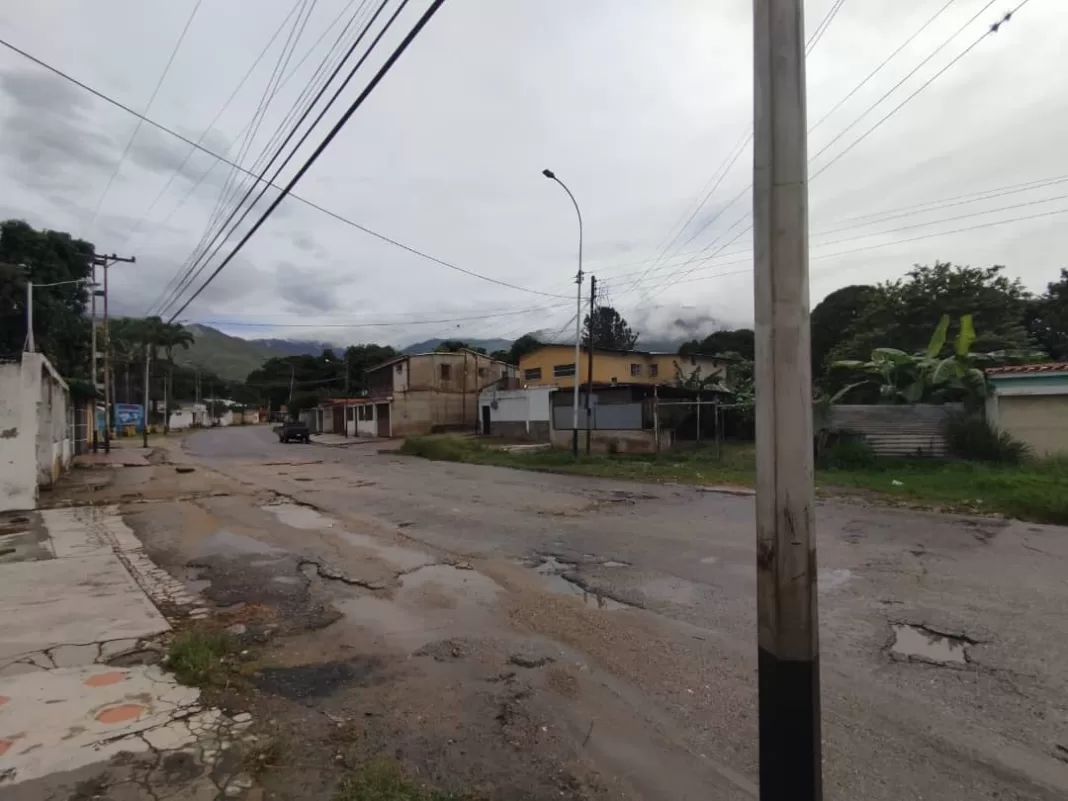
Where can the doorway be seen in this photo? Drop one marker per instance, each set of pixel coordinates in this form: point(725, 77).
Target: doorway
point(382, 412)
point(485, 421)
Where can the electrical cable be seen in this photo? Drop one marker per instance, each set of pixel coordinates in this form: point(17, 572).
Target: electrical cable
point(151, 100)
point(222, 159)
point(248, 133)
point(823, 26)
point(992, 30)
point(204, 258)
point(912, 72)
point(208, 128)
point(382, 72)
point(882, 64)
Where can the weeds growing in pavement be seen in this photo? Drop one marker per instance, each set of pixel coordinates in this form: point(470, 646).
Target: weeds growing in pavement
point(384, 780)
point(198, 657)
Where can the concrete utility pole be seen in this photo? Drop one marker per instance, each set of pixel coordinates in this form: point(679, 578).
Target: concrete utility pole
point(787, 615)
point(105, 262)
point(92, 344)
point(578, 315)
point(31, 346)
point(144, 411)
point(589, 362)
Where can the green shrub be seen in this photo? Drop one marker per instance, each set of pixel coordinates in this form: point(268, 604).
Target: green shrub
point(853, 453)
point(973, 438)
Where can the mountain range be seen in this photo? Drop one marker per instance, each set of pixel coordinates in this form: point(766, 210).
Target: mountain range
point(233, 358)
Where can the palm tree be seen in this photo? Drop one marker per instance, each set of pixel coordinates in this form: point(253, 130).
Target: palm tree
point(127, 340)
point(170, 336)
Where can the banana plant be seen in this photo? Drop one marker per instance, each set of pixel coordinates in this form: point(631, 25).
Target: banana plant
point(927, 376)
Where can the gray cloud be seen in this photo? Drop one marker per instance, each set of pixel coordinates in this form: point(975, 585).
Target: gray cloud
point(48, 140)
point(633, 104)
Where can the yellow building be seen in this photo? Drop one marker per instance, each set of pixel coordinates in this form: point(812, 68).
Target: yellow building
point(554, 365)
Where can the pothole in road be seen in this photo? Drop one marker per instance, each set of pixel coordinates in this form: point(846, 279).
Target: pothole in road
point(552, 570)
point(297, 515)
point(924, 644)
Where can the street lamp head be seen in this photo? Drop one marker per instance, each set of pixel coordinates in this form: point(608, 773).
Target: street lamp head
point(549, 174)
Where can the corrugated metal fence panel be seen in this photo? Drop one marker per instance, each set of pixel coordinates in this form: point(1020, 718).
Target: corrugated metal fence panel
point(906, 430)
point(606, 417)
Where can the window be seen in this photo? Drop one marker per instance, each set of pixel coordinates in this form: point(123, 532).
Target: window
point(635, 371)
point(365, 412)
point(445, 371)
point(533, 374)
point(481, 372)
point(400, 367)
point(563, 370)
point(654, 370)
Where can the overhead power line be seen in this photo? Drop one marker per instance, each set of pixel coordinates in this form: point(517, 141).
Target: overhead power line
point(992, 30)
point(728, 162)
point(198, 262)
point(148, 106)
point(208, 128)
point(911, 72)
point(382, 72)
point(310, 204)
point(989, 31)
point(247, 134)
point(882, 64)
point(823, 26)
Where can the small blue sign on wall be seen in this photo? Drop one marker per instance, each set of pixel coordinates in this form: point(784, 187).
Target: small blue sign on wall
point(128, 415)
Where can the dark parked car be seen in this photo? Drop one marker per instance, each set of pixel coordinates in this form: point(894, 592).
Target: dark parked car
point(293, 430)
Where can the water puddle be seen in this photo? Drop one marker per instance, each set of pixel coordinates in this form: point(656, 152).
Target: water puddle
point(298, 516)
point(552, 569)
point(923, 644)
point(401, 558)
point(227, 543)
point(615, 563)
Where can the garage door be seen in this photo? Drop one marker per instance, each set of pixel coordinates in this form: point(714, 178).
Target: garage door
point(1039, 420)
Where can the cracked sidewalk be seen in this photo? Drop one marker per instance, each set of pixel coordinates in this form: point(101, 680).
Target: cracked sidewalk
point(80, 625)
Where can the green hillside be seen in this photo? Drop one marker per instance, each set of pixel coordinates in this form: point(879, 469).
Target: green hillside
point(232, 357)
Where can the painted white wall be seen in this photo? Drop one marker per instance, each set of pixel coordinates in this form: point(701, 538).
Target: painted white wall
point(516, 405)
point(368, 427)
point(35, 420)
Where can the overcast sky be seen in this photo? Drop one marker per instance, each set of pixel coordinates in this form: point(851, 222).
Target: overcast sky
point(634, 104)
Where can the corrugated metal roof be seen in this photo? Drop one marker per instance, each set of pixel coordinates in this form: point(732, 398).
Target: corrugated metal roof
point(1047, 367)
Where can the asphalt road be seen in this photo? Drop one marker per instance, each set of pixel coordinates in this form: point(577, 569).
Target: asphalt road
point(943, 648)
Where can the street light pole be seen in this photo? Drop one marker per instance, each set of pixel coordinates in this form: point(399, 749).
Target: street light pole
point(31, 344)
point(578, 315)
point(787, 615)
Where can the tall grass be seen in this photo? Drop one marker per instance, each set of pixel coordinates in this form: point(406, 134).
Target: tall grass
point(973, 438)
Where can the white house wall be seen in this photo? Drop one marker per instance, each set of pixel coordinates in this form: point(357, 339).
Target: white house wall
point(35, 435)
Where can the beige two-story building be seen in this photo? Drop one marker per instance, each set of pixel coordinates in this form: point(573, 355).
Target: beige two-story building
point(420, 393)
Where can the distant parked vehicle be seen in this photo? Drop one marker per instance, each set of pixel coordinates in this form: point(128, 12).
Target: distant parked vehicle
point(293, 431)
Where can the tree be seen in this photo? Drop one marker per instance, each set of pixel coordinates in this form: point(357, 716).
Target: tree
point(528, 343)
point(833, 319)
point(62, 328)
point(905, 311)
point(359, 359)
point(170, 336)
point(610, 330)
point(1047, 319)
point(740, 341)
point(455, 346)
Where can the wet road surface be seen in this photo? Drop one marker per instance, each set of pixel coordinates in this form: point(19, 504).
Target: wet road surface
point(942, 638)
